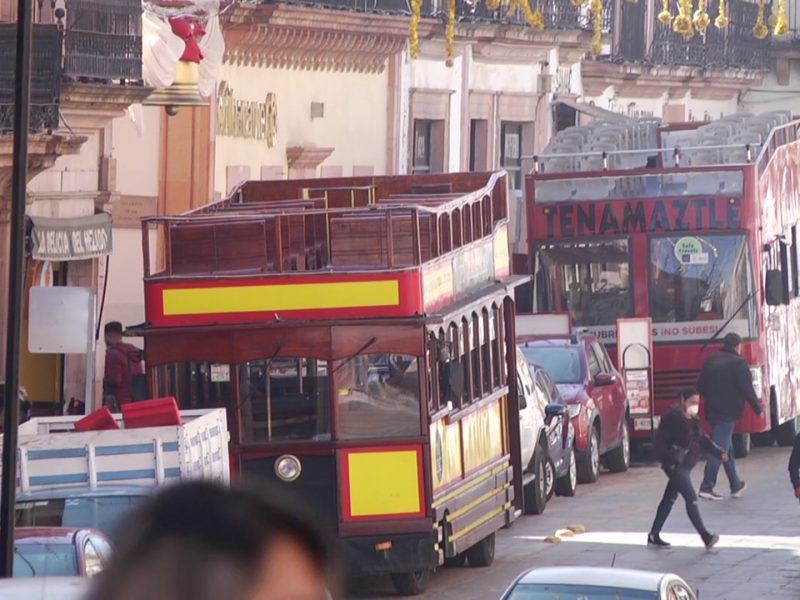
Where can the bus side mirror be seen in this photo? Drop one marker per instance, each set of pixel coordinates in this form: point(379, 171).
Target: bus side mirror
point(774, 288)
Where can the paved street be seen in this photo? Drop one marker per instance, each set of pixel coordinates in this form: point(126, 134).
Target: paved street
point(757, 557)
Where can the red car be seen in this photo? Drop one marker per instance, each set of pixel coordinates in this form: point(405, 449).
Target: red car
point(594, 391)
point(59, 552)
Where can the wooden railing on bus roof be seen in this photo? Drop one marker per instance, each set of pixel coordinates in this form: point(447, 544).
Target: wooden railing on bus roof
point(418, 223)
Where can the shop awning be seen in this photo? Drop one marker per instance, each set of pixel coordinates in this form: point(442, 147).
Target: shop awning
point(79, 238)
point(588, 109)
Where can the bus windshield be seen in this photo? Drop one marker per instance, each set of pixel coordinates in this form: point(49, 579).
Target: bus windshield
point(699, 281)
point(591, 279)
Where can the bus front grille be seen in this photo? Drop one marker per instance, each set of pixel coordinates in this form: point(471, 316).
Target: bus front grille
point(666, 385)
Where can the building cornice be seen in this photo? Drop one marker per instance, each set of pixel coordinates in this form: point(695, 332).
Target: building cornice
point(306, 157)
point(43, 150)
point(93, 105)
point(653, 81)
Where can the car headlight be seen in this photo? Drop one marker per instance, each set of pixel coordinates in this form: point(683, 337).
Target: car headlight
point(574, 409)
point(287, 467)
point(757, 373)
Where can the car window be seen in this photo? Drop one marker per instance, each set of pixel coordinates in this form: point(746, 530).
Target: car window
point(594, 364)
point(542, 397)
point(45, 560)
point(550, 386)
point(91, 559)
point(524, 373)
point(568, 591)
point(602, 358)
point(103, 548)
point(101, 512)
point(563, 363)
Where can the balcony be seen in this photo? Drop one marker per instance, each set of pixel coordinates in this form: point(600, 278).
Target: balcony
point(387, 7)
point(557, 14)
point(46, 75)
point(732, 47)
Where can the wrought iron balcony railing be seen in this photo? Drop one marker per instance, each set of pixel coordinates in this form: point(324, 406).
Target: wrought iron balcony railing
point(391, 7)
point(46, 75)
point(556, 14)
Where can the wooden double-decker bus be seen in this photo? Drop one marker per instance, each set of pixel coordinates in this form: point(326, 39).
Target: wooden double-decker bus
point(360, 333)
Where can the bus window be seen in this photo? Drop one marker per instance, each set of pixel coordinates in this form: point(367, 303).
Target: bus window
point(284, 399)
point(700, 278)
point(589, 279)
point(195, 385)
point(377, 396)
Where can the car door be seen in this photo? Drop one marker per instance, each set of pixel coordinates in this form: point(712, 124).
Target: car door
point(617, 395)
point(609, 430)
point(546, 394)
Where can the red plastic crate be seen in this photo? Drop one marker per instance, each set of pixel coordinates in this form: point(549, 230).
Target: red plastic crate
point(99, 420)
point(161, 412)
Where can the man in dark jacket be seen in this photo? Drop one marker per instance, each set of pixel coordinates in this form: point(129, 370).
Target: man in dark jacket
point(122, 364)
point(726, 384)
point(679, 440)
point(794, 467)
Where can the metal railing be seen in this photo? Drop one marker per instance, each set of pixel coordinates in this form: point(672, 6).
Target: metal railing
point(395, 7)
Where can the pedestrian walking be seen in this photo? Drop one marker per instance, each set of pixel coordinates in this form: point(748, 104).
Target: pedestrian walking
point(202, 541)
point(726, 385)
point(679, 439)
point(123, 375)
point(794, 467)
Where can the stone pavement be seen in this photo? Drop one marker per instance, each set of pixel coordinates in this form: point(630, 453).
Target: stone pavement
point(758, 555)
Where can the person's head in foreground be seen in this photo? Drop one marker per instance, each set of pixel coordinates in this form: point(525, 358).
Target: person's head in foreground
point(202, 541)
point(690, 400)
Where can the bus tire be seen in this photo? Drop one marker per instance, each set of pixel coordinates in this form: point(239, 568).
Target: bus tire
point(482, 553)
point(411, 584)
point(535, 494)
point(455, 562)
point(741, 445)
point(787, 432)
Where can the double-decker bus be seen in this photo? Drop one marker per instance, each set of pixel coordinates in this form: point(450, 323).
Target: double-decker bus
point(360, 334)
point(694, 225)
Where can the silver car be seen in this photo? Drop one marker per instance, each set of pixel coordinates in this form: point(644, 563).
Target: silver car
point(44, 588)
point(593, 583)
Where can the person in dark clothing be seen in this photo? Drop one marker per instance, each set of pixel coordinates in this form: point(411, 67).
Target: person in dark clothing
point(726, 385)
point(794, 467)
point(679, 440)
point(122, 365)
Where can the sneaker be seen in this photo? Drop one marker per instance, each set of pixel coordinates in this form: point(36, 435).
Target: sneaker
point(654, 541)
point(712, 495)
point(711, 541)
point(738, 493)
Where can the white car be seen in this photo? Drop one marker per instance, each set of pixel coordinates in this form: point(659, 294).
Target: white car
point(44, 588)
point(597, 583)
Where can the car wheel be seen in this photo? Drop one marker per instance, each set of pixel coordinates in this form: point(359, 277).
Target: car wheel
point(549, 478)
point(741, 445)
point(535, 493)
point(568, 484)
point(411, 584)
point(619, 459)
point(589, 466)
point(482, 553)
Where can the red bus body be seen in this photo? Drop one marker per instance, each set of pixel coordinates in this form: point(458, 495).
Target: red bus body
point(686, 246)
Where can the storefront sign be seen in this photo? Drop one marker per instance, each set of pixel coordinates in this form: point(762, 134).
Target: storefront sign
point(687, 331)
point(71, 239)
point(246, 119)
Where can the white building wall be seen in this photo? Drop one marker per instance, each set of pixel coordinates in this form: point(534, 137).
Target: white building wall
point(773, 96)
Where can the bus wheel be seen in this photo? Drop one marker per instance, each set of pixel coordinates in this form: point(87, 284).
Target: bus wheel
point(456, 561)
point(482, 553)
point(411, 584)
point(786, 433)
point(741, 445)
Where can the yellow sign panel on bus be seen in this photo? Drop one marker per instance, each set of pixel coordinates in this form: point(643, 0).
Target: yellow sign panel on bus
point(482, 434)
point(383, 483)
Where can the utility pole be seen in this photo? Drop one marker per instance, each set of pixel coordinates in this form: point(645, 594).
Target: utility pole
point(16, 272)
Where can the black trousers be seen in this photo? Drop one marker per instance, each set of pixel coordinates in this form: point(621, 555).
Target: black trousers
point(680, 483)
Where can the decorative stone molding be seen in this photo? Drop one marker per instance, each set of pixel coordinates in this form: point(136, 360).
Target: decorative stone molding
point(91, 106)
point(643, 81)
point(305, 157)
point(100, 198)
point(43, 150)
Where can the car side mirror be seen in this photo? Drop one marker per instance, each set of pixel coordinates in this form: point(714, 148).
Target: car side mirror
point(551, 411)
point(605, 379)
point(774, 288)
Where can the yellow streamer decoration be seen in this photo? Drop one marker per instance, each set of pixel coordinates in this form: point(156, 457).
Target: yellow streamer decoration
point(578, 2)
point(781, 26)
point(535, 18)
point(450, 30)
point(683, 21)
point(665, 16)
point(701, 19)
point(413, 27)
point(722, 19)
point(760, 29)
point(493, 4)
point(596, 6)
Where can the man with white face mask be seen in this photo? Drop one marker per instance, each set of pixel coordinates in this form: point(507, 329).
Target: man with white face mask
point(679, 441)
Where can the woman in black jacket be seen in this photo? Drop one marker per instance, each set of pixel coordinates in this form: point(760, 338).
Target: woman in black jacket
point(679, 440)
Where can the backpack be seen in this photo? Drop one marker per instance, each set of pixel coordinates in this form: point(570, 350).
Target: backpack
point(137, 379)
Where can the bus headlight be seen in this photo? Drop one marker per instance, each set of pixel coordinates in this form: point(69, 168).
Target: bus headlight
point(757, 373)
point(287, 467)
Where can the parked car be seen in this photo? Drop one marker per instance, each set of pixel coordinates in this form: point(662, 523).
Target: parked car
point(59, 552)
point(595, 393)
point(100, 508)
point(44, 588)
point(547, 438)
point(601, 583)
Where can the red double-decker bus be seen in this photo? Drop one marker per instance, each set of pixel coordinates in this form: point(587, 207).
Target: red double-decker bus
point(693, 225)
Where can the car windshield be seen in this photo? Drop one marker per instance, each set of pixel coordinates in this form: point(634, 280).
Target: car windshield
point(544, 591)
point(45, 560)
point(100, 512)
point(697, 283)
point(563, 363)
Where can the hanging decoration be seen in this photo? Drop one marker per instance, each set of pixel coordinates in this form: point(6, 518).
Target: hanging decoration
point(781, 26)
point(535, 18)
point(665, 16)
point(760, 29)
point(413, 28)
point(722, 18)
point(701, 20)
point(683, 20)
point(578, 2)
point(493, 4)
point(596, 6)
point(450, 30)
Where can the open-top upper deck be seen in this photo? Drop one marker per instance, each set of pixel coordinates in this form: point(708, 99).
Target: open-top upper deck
point(357, 247)
point(642, 158)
